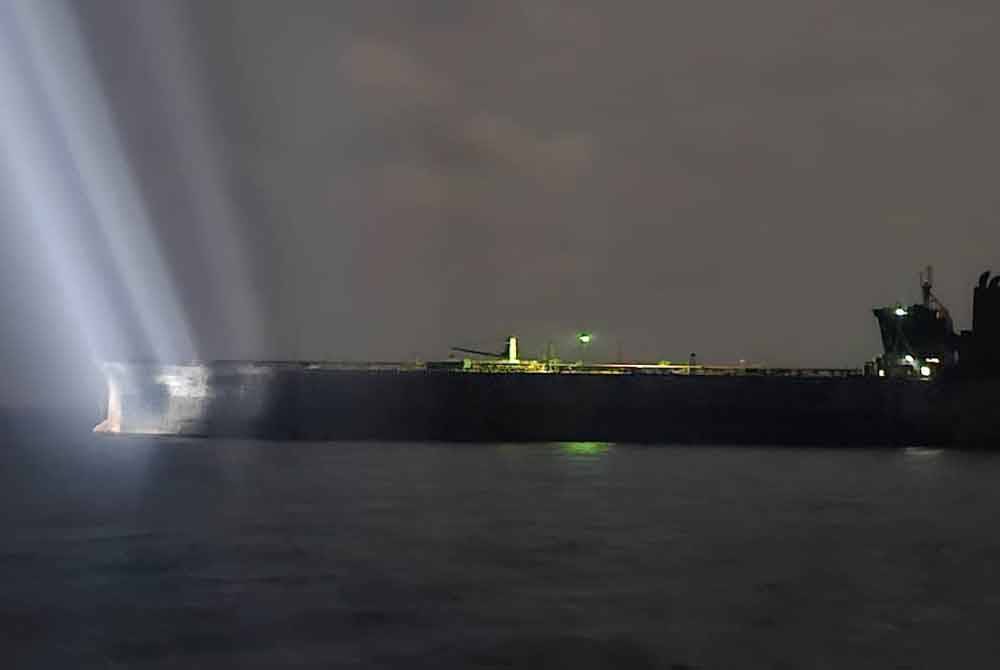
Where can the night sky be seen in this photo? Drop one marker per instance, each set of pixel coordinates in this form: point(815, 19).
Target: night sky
point(382, 180)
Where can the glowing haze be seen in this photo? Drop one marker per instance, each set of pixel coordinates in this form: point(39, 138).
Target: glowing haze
point(309, 179)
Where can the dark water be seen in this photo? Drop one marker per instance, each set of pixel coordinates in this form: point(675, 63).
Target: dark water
point(126, 552)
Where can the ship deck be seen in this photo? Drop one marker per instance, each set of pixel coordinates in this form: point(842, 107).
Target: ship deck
point(471, 366)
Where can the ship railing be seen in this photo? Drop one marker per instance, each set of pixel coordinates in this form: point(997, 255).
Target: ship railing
point(543, 367)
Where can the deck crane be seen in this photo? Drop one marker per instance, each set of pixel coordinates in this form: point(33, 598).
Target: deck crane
point(509, 352)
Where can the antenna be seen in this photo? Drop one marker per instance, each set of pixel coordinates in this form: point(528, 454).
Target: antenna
point(926, 284)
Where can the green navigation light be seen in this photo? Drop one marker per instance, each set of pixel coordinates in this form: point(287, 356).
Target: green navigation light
point(584, 338)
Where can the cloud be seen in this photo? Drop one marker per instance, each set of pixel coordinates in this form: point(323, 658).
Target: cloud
point(560, 157)
point(448, 129)
point(413, 185)
point(384, 69)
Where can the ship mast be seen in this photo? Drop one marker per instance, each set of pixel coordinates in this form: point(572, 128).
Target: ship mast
point(926, 284)
point(930, 300)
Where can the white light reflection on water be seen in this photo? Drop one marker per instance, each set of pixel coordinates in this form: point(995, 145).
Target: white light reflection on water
point(922, 452)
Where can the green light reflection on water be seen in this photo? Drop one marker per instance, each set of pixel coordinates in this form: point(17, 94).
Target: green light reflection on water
point(585, 448)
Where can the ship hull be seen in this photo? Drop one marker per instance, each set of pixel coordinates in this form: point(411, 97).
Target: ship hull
point(314, 402)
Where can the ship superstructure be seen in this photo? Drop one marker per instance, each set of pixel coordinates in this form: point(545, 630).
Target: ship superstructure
point(919, 340)
point(979, 349)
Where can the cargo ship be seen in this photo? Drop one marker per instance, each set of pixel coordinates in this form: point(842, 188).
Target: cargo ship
point(929, 387)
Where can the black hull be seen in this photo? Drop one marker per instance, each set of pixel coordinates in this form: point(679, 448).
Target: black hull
point(312, 402)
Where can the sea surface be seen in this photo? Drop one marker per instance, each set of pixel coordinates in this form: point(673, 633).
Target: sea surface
point(154, 553)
